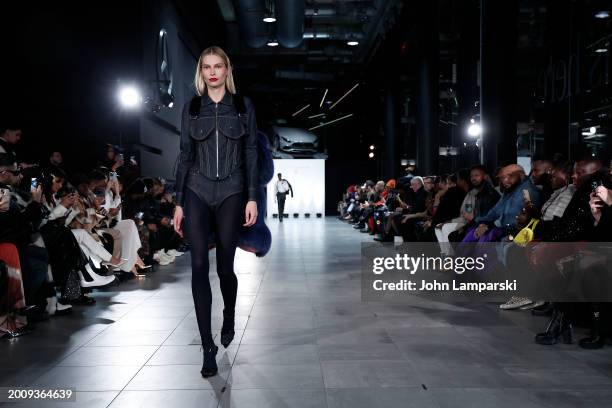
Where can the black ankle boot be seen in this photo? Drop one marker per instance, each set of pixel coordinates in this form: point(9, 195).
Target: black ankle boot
point(209, 367)
point(596, 340)
point(227, 330)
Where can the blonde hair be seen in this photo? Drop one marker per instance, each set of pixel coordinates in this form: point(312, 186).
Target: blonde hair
point(199, 82)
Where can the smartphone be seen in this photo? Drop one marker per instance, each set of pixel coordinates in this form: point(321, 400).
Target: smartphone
point(595, 184)
point(34, 183)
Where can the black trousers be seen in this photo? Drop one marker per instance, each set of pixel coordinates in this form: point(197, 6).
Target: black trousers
point(225, 219)
point(280, 198)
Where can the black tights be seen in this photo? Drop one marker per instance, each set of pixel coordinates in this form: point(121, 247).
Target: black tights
point(225, 219)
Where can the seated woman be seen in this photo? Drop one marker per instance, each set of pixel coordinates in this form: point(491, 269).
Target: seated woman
point(70, 249)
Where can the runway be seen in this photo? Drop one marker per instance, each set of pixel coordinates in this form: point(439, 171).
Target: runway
point(303, 339)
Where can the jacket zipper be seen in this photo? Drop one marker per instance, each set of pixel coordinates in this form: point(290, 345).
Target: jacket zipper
point(217, 136)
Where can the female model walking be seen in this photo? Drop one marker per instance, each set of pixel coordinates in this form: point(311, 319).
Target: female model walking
point(216, 188)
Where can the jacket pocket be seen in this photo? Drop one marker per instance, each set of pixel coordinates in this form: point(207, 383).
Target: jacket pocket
point(202, 128)
point(231, 127)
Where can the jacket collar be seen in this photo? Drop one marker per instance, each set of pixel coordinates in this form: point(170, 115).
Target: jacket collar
point(226, 100)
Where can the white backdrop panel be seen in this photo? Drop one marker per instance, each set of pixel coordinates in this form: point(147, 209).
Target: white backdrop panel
point(307, 177)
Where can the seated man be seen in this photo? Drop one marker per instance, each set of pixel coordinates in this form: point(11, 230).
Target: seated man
point(499, 221)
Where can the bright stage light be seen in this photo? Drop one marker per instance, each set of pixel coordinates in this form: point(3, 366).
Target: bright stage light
point(129, 96)
point(474, 130)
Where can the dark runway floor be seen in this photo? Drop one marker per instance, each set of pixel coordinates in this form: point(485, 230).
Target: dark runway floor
point(304, 339)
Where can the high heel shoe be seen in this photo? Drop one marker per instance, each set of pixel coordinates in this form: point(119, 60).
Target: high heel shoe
point(227, 331)
point(116, 265)
point(209, 367)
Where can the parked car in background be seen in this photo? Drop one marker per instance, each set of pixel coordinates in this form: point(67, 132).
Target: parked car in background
point(295, 141)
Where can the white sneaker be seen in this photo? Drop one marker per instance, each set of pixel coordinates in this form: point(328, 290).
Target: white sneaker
point(515, 302)
point(169, 257)
point(175, 253)
point(161, 259)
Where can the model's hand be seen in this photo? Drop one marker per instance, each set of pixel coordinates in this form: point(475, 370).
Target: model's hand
point(178, 220)
point(250, 213)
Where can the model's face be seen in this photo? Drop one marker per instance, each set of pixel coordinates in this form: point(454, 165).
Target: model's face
point(415, 185)
point(214, 71)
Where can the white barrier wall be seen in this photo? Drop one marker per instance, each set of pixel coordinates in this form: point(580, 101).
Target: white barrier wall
point(307, 177)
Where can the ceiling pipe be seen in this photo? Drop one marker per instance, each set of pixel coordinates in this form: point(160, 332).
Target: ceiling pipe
point(336, 34)
point(290, 22)
point(250, 14)
point(331, 11)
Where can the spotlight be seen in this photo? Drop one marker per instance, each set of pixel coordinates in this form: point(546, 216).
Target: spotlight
point(601, 50)
point(474, 129)
point(129, 96)
point(352, 43)
point(371, 147)
point(602, 14)
point(371, 155)
point(272, 43)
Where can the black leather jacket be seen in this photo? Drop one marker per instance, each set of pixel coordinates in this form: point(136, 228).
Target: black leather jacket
point(217, 145)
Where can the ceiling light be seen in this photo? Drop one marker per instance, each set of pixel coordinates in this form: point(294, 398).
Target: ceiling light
point(601, 50)
point(272, 43)
point(269, 19)
point(602, 14)
point(371, 155)
point(352, 43)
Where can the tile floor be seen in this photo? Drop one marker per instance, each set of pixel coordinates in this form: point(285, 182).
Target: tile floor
point(304, 339)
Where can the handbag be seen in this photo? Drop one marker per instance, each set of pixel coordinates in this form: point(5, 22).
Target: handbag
point(525, 235)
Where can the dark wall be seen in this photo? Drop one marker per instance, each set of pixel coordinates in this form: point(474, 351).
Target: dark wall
point(60, 66)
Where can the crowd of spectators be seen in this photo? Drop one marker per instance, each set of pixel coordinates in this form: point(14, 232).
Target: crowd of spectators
point(62, 233)
point(558, 201)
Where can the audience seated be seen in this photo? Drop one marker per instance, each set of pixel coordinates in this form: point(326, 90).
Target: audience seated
point(466, 208)
point(73, 233)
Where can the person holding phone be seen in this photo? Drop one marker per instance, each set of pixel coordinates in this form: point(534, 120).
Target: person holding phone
point(216, 188)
